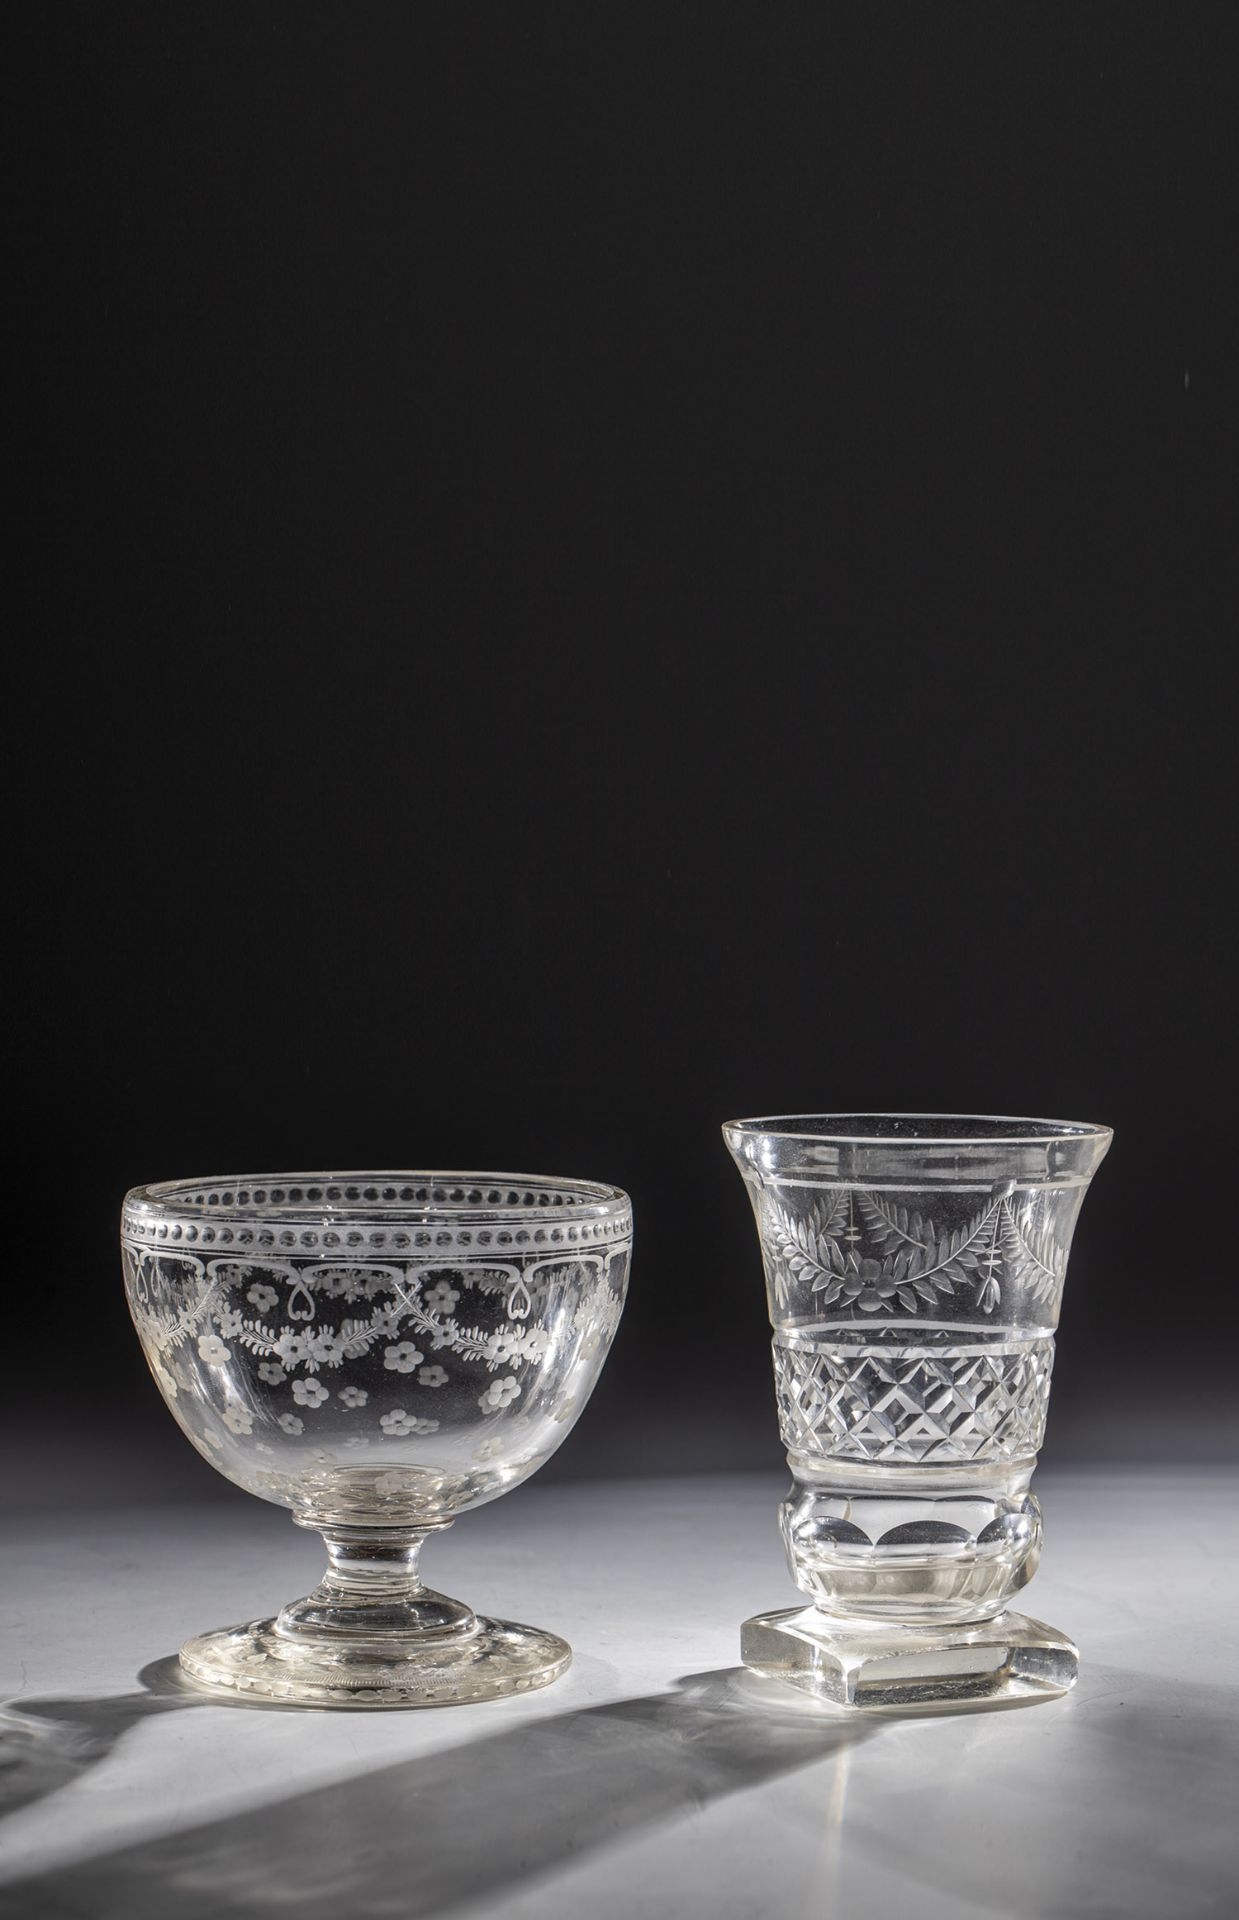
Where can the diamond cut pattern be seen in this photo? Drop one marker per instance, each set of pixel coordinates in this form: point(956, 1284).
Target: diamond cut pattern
point(867, 1404)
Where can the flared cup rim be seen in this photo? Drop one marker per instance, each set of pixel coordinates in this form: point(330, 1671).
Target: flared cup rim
point(866, 1129)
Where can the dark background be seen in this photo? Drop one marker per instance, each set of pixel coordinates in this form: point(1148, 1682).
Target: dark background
point(585, 569)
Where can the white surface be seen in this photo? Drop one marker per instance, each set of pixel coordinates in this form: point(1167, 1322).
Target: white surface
point(626, 1788)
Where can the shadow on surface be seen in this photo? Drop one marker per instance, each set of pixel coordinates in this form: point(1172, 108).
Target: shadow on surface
point(443, 1829)
point(45, 1744)
point(1129, 1809)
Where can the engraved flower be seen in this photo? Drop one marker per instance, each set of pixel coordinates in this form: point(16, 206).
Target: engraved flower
point(531, 1342)
point(292, 1347)
point(500, 1393)
point(503, 1346)
point(357, 1440)
point(212, 1349)
point(398, 1423)
point(432, 1377)
point(867, 1284)
point(326, 1348)
point(262, 1296)
point(238, 1419)
point(309, 1393)
point(211, 1438)
point(441, 1298)
point(272, 1373)
point(402, 1358)
point(352, 1396)
point(596, 1319)
point(229, 1322)
point(165, 1379)
point(291, 1423)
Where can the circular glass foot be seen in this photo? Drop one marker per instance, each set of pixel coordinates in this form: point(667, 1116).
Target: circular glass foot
point(257, 1661)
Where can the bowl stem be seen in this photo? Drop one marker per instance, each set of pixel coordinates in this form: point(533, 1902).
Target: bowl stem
point(373, 1589)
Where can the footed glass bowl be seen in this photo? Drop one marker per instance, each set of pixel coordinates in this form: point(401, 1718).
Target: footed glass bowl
point(376, 1352)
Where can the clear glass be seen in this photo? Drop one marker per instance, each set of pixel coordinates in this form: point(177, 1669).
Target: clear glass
point(914, 1269)
point(376, 1352)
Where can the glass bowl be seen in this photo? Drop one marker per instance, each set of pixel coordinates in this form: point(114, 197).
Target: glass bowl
point(377, 1352)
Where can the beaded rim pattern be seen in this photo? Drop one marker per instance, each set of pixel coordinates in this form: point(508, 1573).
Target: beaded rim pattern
point(452, 1214)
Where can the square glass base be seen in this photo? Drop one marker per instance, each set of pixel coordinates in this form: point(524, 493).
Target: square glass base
point(914, 1669)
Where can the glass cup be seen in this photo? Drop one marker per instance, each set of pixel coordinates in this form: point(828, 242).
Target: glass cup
point(914, 1269)
point(376, 1352)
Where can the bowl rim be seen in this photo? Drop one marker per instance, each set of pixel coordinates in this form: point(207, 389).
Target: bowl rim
point(234, 1197)
point(990, 1129)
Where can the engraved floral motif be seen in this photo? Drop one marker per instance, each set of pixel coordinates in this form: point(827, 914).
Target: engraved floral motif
point(398, 1423)
point(402, 1358)
point(868, 1284)
point(441, 1297)
point(500, 1393)
point(410, 1319)
point(862, 1250)
point(166, 1379)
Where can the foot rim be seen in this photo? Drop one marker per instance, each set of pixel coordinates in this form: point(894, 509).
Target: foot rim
point(254, 1662)
point(870, 1667)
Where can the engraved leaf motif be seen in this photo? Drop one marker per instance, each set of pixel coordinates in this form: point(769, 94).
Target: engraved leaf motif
point(917, 1261)
point(804, 1246)
point(958, 1255)
point(173, 1332)
point(1034, 1254)
point(829, 1220)
point(894, 1226)
point(257, 1337)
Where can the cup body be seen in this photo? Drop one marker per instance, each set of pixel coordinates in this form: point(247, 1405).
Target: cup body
point(373, 1348)
point(914, 1268)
